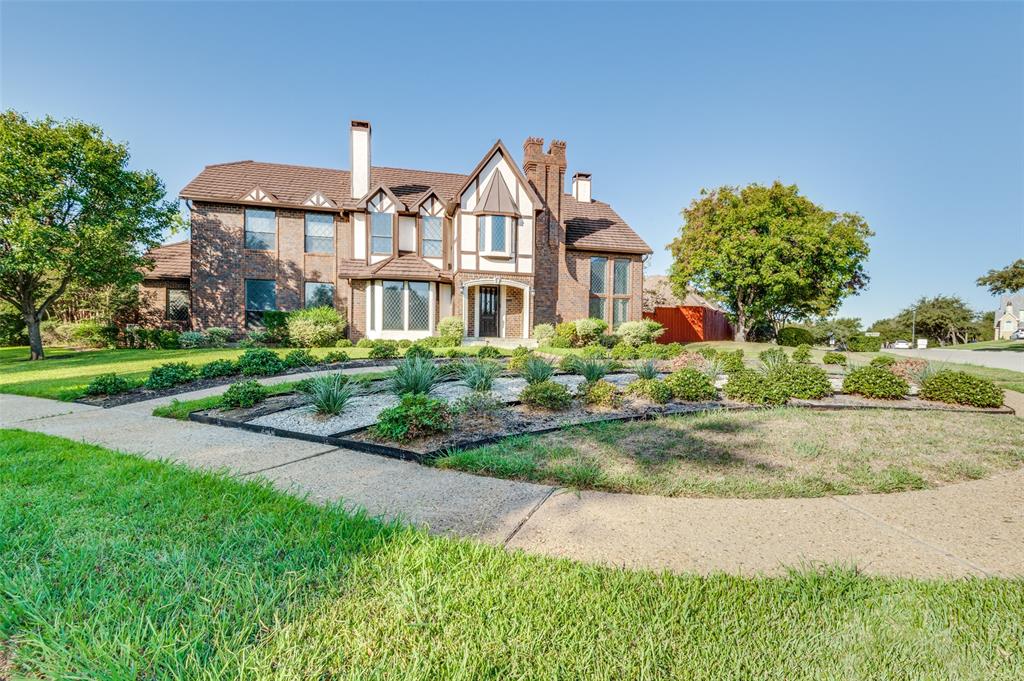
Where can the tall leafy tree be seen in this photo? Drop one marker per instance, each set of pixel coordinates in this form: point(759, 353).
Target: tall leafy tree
point(72, 214)
point(769, 254)
point(947, 319)
point(1010, 279)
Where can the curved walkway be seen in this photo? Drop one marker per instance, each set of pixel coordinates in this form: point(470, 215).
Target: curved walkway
point(974, 528)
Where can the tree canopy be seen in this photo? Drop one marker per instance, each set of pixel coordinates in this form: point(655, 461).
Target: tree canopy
point(1010, 279)
point(768, 254)
point(71, 214)
point(947, 319)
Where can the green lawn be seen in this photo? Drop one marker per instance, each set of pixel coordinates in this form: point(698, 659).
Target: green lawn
point(112, 566)
point(1009, 346)
point(789, 452)
point(65, 373)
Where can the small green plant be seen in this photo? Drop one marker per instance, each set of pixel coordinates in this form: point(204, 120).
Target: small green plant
point(773, 358)
point(637, 333)
point(489, 352)
point(218, 368)
point(450, 330)
point(414, 376)
point(364, 343)
point(343, 343)
point(168, 340)
point(802, 354)
point(546, 395)
point(593, 351)
point(834, 358)
point(592, 369)
point(244, 394)
point(645, 369)
point(479, 374)
point(299, 358)
point(652, 389)
point(624, 351)
point(536, 370)
point(193, 339)
point(256, 339)
point(690, 385)
point(260, 362)
point(315, 327)
point(329, 394)
point(336, 357)
point(884, 361)
point(218, 336)
point(170, 375)
point(109, 384)
point(958, 387)
point(404, 343)
point(755, 387)
point(655, 351)
point(708, 353)
point(599, 393)
point(732, 361)
point(383, 350)
point(544, 333)
point(802, 381)
point(453, 353)
point(588, 330)
point(477, 405)
point(711, 368)
point(417, 350)
point(518, 359)
point(875, 382)
point(416, 415)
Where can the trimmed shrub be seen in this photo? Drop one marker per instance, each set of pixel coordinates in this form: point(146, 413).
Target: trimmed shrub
point(802, 381)
point(652, 389)
point(593, 351)
point(654, 351)
point(479, 375)
point(599, 393)
point(451, 330)
point(404, 343)
point(638, 333)
point(336, 356)
point(260, 362)
point(218, 336)
point(834, 358)
point(415, 376)
point(519, 355)
point(416, 415)
point(546, 395)
point(884, 361)
point(802, 354)
point(566, 331)
point(384, 350)
point(170, 375)
point(958, 387)
point(109, 384)
point(299, 358)
point(275, 323)
point(691, 385)
point(329, 394)
point(624, 351)
point(559, 342)
point(168, 340)
point(477, 405)
point(792, 336)
point(343, 343)
point(489, 352)
point(731, 361)
point(455, 352)
point(864, 344)
point(218, 368)
point(755, 387)
point(255, 339)
point(192, 339)
point(875, 382)
point(244, 394)
point(417, 350)
point(364, 343)
point(544, 333)
point(589, 330)
point(536, 370)
point(315, 327)
point(674, 348)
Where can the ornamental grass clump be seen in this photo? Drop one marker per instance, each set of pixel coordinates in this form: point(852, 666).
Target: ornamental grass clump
point(875, 382)
point(479, 374)
point(329, 394)
point(592, 369)
point(690, 385)
point(773, 358)
point(958, 387)
point(536, 370)
point(414, 376)
point(645, 369)
point(416, 415)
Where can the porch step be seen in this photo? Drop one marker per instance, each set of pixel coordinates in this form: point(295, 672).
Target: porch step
point(501, 342)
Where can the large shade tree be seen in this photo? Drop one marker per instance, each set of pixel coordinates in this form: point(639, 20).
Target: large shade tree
point(1010, 279)
point(72, 214)
point(769, 254)
point(947, 319)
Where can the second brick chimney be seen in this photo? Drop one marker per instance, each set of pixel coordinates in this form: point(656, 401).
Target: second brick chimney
point(546, 171)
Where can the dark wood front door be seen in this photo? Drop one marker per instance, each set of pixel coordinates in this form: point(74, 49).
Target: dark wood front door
point(489, 311)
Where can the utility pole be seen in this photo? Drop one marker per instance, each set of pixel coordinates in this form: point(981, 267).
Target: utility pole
point(913, 329)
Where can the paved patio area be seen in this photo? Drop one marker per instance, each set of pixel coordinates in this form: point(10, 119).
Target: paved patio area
point(974, 528)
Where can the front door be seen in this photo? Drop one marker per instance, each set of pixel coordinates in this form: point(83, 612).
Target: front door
point(488, 311)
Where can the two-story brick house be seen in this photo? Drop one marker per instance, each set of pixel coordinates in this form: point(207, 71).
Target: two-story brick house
point(398, 250)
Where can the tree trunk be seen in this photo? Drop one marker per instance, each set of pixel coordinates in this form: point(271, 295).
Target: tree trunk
point(740, 336)
point(35, 337)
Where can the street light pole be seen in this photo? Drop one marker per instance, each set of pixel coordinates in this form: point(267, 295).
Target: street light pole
point(913, 328)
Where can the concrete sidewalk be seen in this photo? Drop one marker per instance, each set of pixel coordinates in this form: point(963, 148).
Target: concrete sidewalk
point(974, 528)
point(995, 359)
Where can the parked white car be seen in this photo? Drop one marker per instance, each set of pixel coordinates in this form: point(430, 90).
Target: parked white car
point(901, 345)
point(1017, 335)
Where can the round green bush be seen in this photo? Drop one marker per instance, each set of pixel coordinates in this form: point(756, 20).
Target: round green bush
point(260, 362)
point(691, 385)
point(364, 343)
point(315, 327)
point(589, 330)
point(834, 358)
point(343, 343)
point(416, 415)
point(109, 384)
point(518, 360)
point(637, 333)
point(792, 336)
point(417, 350)
point(731, 361)
point(544, 333)
point(244, 394)
point(654, 351)
point(651, 388)
point(875, 382)
point(451, 329)
point(624, 351)
point(384, 350)
point(599, 393)
point(958, 387)
point(170, 375)
point(560, 342)
point(546, 395)
point(802, 381)
point(864, 344)
point(593, 351)
point(802, 354)
point(299, 358)
point(336, 356)
point(566, 331)
point(489, 352)
point(218, 368)
point(754, 387)
point(883, 361)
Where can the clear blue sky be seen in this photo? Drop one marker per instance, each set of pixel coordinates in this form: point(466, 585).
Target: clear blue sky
point(910, 114)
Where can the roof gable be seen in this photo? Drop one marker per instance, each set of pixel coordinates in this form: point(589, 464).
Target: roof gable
point(499, 148)
point(496, 198)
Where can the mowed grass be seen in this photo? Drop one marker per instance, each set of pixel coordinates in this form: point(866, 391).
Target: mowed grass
point(65, 373)
point(789, 452)
point(112, 566)
point(1007, 345)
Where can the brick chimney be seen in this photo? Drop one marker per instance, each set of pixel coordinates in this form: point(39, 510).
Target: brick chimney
point(359, 146)
point(546, 171)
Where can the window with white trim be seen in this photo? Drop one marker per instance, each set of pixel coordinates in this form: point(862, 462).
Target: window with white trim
point(405, 305)
point(495, 234)
point(382, 233)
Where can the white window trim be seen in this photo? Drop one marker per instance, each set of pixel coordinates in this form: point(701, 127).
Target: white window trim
point(510, 233)
point(376, 289)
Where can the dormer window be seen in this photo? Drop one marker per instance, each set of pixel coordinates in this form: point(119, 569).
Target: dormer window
point(431, 229)
point(494, 235)
point(382, 233)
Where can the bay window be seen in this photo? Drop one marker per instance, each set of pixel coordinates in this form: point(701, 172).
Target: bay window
point(404, 306)
point(494, 234)
point(392, 306)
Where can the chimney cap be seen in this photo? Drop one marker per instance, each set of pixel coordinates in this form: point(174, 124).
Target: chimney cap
point(581, 176)
point(361, 124)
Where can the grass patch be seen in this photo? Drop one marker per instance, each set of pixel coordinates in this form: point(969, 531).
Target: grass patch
point(1007, 345)
point(770, 453)
point(112, 566)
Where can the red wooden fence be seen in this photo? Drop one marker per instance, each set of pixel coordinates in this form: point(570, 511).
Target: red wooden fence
point(691, 323)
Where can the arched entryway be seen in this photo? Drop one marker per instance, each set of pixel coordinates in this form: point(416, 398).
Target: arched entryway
point(493, 307)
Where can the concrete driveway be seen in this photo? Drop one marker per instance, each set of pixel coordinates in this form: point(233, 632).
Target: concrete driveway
point(995, 359)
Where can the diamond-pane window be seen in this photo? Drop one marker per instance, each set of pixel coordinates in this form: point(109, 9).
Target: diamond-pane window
point(391, 306)
point(178, 303)
point(498, 233)
point(419, 306)
point(620, 311)
point(431, 236)
point(260, 229)
point(620, 281)
point(319, 233)
point(598, 275)
point(596, 308)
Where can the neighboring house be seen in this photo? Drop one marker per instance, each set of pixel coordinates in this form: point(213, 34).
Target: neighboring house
point(1009, 316)
point(397, 250)
point(164, 294)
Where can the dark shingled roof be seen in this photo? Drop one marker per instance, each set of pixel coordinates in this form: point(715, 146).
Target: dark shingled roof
point(405, 266)
point(595, 226)
point(172, 261)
